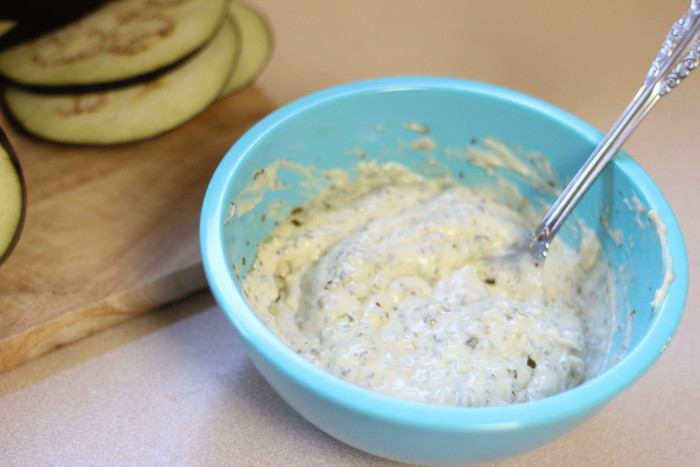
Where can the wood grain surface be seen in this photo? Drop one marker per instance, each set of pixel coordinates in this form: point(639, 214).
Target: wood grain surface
point(110, 231)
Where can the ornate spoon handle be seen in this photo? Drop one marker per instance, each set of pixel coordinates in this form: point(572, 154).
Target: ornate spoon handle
point(679, 55)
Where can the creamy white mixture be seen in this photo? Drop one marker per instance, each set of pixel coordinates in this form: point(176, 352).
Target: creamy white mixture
point(381, 281)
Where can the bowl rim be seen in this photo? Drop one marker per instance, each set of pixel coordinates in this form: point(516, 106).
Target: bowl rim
point(574, 402)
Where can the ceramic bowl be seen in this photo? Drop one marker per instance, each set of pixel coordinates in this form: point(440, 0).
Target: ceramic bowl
point(377, 119)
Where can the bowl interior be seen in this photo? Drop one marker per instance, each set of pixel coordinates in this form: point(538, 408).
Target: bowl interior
point(340, 130)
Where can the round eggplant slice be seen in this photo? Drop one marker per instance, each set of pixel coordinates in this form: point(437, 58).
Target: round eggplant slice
point(117, 42)
point(256, 46)
point(12, 198)
point(133, 112)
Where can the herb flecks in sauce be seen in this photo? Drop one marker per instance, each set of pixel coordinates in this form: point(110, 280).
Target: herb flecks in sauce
point(382, 284)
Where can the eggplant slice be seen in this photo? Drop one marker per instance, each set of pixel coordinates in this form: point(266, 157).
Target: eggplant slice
point(12, 198)
point(133, 112)
point(256, 46)
point(117, 42)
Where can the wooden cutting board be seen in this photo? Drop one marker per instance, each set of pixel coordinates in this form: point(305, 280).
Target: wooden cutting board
point(110, 231)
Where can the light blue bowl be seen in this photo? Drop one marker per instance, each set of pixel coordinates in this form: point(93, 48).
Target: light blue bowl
point(319, 130)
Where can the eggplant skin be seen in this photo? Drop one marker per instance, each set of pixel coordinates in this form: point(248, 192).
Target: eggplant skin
point(9, 238)
point(26, 9)
point(30, 25)
point(29, 10)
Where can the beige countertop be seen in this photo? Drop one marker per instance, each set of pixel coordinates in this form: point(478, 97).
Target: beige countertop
point(174, 387)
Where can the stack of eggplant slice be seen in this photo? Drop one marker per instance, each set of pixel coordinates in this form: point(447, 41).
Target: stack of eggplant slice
point(98, 72)
point(132, 69)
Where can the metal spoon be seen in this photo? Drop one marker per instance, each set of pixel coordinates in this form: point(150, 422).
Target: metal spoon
point(679, 55)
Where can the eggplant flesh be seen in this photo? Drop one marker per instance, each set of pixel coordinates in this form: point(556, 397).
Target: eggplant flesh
point(28, 25)
point(133, 112)
point(6, 26)
point(118, 41)
point(12, 198)
point(27, 10)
